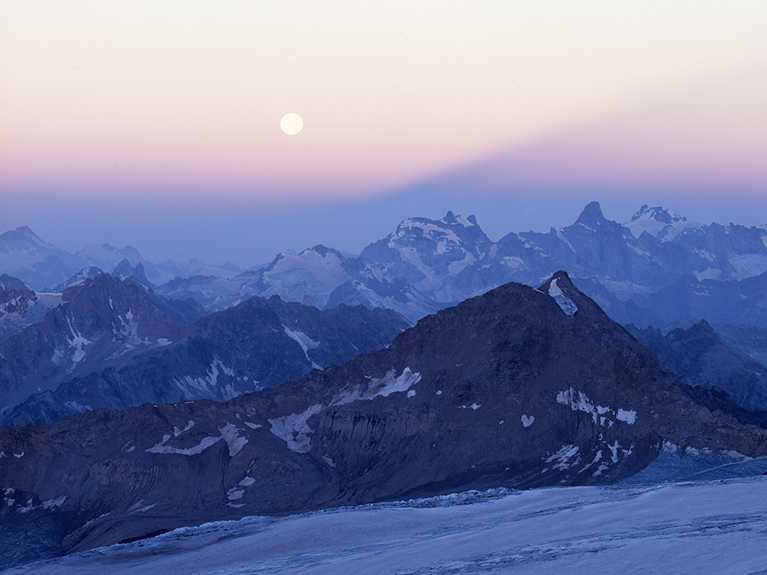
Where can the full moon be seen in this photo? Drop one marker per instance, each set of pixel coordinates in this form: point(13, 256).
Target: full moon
point(292, 124)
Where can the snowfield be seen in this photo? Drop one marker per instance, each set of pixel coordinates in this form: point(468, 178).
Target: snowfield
point(692, 527)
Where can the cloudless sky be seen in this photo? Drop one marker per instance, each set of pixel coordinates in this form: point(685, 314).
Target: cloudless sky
point(156, 123)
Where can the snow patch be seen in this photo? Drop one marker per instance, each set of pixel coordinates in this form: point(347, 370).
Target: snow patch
point(234, 441)
point(294, 429)
point(229, 434)
point(207, 385)
point(305, 342)
point(600, 414)
point(77, 343)
point(162, 448)
point(708, 274)
point(565, 458)
point(565, 303)
point(139, 507)
point(527, 420)
point(748, 265)
point(234, 494)
point(380, 387)
point(329, 461)
point(626, 416)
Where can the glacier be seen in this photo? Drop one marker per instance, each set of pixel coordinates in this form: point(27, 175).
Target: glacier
point(713, 526)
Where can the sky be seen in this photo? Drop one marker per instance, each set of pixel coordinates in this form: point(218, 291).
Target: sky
point(158, 123)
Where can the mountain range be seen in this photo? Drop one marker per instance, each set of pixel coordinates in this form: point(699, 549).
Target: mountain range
point(251, 346)
point(101, 321)
point(657, 268)
point(114, 343)
point(518, 387)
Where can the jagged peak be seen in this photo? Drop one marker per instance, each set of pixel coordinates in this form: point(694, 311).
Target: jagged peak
point(657, 213)
point(451, 218)
point(591, 215)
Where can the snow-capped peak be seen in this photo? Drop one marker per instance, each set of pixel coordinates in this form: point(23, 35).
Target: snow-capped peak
point(457, 219)
point(658, 222)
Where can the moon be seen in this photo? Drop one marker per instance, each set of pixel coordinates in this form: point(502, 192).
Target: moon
point(291, 124)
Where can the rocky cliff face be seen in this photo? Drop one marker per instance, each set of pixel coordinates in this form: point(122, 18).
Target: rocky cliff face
point(518, 387)
point(252, 346)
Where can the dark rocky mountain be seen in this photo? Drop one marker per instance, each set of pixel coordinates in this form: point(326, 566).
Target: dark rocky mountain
point(518, 387)
point(102, 321)
point(19, 305)
point(702, 358)
point(254, 345)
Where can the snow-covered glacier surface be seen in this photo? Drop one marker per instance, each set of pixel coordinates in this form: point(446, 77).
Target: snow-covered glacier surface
point(701, 527)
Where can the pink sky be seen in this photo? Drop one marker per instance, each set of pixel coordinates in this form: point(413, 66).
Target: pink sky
point(181, 97)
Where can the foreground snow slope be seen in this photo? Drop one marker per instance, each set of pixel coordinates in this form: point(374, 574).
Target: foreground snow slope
point(704, 527)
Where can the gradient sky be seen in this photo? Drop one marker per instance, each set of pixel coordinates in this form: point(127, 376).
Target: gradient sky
point(156, 122)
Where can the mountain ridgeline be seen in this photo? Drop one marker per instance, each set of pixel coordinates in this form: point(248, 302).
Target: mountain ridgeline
point(252, 346)
point(655, 269)
point(114, 343)
point(518, 387)
point(101, 321)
